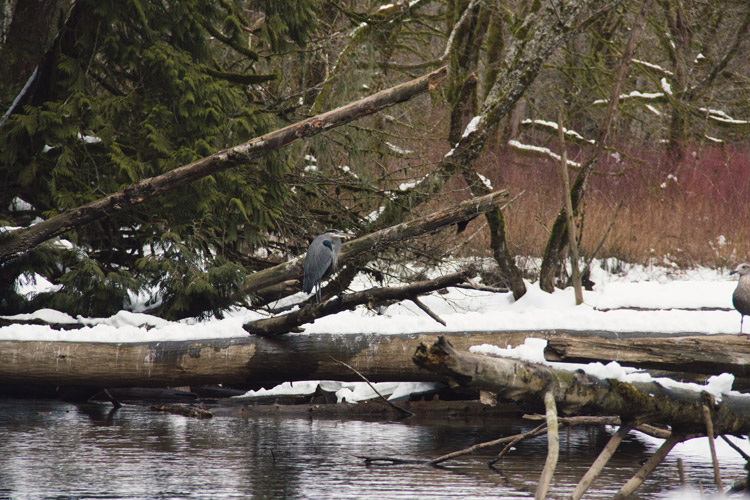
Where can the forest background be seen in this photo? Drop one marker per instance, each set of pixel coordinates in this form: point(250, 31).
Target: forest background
point(654, 96)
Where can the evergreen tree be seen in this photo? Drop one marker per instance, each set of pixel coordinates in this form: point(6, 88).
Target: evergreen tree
point(130, 90)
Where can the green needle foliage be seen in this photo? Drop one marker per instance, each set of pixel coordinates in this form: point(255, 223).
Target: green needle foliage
point(130, 90)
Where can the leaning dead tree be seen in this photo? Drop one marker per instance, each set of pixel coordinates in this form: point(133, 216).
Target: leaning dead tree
point(241, 155)
point(689, 413)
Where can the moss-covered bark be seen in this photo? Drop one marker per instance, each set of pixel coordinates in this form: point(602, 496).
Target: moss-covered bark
point(578, 393)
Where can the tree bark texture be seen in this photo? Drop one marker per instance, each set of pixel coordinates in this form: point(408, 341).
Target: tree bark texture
point(243, 154)
point(578, 393)
point(710, 354)
point(255, 359)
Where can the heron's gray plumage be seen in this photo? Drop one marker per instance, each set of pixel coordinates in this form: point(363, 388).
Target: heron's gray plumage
point(321, 258)
point(741, 295)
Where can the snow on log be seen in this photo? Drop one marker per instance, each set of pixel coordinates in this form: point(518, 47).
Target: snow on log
point(711, 354)
point(289, 322)
point(579, 393)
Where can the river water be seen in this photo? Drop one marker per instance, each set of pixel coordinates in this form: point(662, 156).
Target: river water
point(54, 450)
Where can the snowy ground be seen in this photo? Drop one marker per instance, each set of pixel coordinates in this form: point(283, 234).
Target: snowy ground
point(654, 299)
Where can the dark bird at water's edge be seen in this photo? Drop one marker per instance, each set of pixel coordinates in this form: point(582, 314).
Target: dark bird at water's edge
point(321, 258)
point(741, 295)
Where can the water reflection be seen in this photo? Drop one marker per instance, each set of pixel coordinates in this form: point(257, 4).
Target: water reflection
point(55, 450)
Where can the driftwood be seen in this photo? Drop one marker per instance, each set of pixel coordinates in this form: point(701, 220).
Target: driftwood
point(23, 239)
point(576, 392)
point(291, 321)
point(462, 212)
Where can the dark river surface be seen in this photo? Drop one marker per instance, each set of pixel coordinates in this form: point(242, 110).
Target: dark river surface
point(54, 450)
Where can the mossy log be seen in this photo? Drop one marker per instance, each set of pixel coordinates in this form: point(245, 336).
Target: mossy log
point(577, 393)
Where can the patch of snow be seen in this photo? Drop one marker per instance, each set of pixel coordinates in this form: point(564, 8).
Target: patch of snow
point(472, 126)
point(553, 125)
point(652, 66)
point(397, 149)
point(485, 181)
point(541, 150)
point(19, 205)
point(665, 86)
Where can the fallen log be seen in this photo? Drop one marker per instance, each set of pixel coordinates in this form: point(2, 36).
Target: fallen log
point(291, 321)
point(710, 354)
point(576, 393)
point(462, 212)
point(249, 360)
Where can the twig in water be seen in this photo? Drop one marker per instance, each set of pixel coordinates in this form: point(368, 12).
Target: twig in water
point(604, 456)
point(539, 429)
point(736, 448)
point(395, 406)
point(712, 445)
point(471, 449)
point(553, 447)
point(647, 468)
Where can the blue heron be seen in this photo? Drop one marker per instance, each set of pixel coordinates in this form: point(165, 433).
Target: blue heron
point(321, 258)
point(741, 295)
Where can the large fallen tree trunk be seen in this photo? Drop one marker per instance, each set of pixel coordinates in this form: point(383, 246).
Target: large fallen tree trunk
point(255, 360)
point(711, 354)
point(24, 239)
point(462, 212)
point(247, 361)
point(578, 393)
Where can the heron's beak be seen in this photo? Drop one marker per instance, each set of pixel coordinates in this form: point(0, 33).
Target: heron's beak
point(346, 235)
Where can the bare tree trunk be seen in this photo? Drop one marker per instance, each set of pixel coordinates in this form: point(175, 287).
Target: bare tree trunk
point(24, 239)
point(555, 249)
